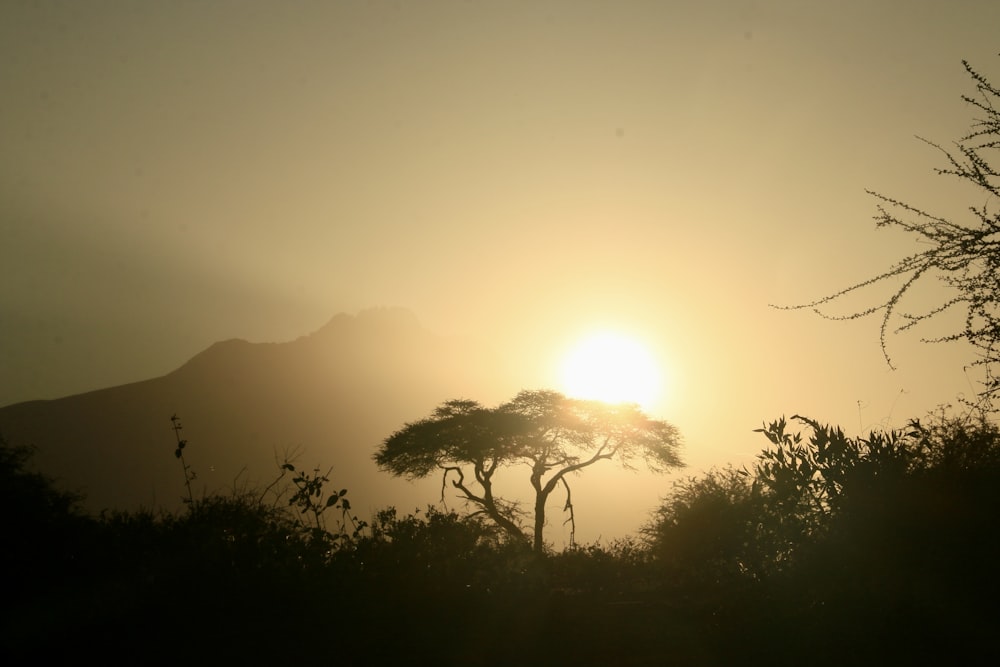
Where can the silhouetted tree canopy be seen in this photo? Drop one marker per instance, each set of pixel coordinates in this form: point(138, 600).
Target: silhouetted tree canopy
point(964, 254)
point(551, 434)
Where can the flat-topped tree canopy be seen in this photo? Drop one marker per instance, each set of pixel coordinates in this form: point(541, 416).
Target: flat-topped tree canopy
point(550, 433)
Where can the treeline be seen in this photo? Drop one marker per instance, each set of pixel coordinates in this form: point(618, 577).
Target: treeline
point(828, 550)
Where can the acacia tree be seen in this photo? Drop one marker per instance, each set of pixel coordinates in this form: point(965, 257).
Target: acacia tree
point(964, 254)
point(552, 434)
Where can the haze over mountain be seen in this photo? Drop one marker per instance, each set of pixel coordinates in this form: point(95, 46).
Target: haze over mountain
point(331, 396)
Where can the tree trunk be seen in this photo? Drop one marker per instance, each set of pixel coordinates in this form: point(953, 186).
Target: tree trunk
point(494, 512)
point(539, 543)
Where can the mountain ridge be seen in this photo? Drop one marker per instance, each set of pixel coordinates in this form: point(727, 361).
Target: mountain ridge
point(332, 395)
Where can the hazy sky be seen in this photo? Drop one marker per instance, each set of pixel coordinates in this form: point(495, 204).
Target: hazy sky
point(177, 173)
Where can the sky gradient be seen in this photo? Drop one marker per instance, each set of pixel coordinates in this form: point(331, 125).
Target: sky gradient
point(174, 174)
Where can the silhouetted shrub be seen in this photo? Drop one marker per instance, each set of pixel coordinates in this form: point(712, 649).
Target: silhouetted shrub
point(862, 550)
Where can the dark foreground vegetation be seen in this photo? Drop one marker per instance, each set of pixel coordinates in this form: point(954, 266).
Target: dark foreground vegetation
point(830, 550)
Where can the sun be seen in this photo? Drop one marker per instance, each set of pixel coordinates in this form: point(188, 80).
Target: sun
point(614, 368)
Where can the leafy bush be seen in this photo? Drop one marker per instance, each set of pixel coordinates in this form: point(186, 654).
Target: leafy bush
point(862, 548)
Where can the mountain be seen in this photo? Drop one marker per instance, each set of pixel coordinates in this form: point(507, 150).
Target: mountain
point(331, 397)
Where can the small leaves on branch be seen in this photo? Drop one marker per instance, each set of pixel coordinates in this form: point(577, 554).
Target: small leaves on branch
point(962, 254)
point(189, 474)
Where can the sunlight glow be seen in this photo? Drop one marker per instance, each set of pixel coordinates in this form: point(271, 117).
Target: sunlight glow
point(613, 368)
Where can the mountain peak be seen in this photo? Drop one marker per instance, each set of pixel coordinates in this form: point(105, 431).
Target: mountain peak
point(372, 319)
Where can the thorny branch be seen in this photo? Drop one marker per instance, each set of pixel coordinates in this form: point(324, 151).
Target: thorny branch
point(964, 256)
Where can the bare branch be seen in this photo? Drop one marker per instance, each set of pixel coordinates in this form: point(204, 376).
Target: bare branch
point(568, 507)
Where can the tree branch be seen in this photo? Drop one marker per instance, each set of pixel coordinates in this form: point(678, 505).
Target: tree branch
point(568, 507)
point(486, 501)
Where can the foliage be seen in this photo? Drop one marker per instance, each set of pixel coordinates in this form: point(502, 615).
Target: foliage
point(804, 483)
point(843, 541)
point(189, 473)
point(231, 573)
point(871, 549)
point(710, 529)
point(964, 255)
point(610, 571)
point(551, 434)
point(311, 500)
point(45, 526)
point(436, 552)
point(749, 524)
point(33, 494)
point(958, 446)
point(307, 499)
